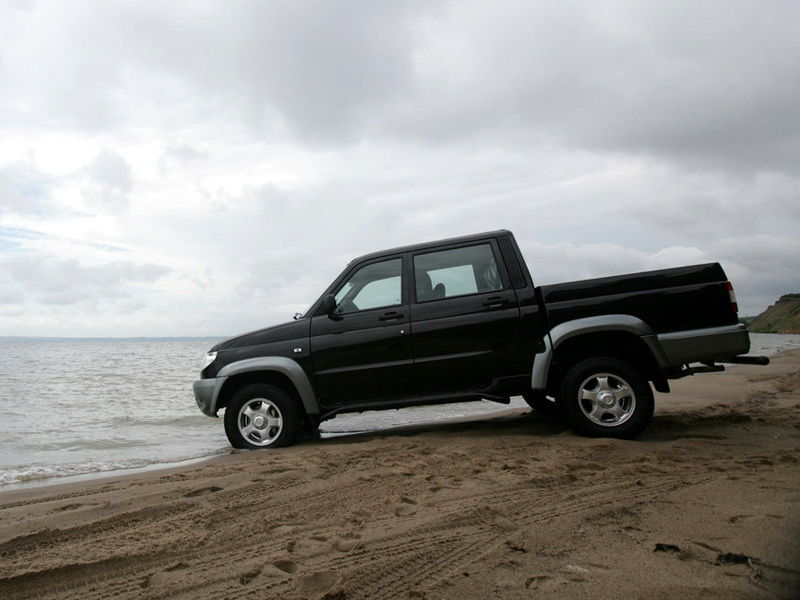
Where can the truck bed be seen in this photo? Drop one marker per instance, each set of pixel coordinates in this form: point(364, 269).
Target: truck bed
point(666, 299)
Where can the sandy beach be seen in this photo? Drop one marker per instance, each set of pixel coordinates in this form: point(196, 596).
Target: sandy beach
point(706, 504)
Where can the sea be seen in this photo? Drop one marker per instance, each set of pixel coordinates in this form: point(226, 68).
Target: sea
point(77, 408)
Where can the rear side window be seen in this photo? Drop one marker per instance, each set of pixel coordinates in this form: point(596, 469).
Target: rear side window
point(457, 272)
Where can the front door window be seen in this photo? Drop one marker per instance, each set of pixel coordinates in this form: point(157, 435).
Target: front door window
point(373, 286)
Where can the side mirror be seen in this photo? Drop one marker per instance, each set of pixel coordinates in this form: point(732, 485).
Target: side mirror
point(329, 306)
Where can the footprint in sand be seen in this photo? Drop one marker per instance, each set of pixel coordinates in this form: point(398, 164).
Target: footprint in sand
point(203, 491)
point(287, 566)
point(405, 510)
point(67, 507)
point(313, 585)
point(407, 507)
point(535, 582)
point(248, 576)
point(345, 544)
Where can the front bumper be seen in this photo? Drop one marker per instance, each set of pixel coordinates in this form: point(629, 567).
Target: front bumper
point(206, 393)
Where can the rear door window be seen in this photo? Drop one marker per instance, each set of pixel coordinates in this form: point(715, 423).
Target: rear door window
point(456, 272)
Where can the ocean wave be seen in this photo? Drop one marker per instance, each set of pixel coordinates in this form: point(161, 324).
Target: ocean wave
point(36, 473)
point(76, 444)
point(168, 421)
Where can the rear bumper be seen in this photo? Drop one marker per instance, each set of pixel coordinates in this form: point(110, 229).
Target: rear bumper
point(702, 345)
point(206, 393)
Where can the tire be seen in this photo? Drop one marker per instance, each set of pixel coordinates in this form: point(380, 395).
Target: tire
point(261, 416)
point(606, 397)
point(541, 403)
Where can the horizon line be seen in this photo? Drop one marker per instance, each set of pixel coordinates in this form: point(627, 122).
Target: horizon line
point(110, 337)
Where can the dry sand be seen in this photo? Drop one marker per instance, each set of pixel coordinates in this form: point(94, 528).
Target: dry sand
point(705, 505)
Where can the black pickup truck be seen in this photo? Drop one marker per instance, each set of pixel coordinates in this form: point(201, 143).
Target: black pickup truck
point(461, 320)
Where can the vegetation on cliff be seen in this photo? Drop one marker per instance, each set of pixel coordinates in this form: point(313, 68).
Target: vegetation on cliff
point(781, 317)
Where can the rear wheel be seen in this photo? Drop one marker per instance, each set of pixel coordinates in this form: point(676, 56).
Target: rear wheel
point(606, 397)
point(261, 416)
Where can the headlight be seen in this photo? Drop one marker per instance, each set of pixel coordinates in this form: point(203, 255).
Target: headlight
point(208, 359)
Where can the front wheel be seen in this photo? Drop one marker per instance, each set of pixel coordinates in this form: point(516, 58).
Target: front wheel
point(606, 397)
point(261, 416)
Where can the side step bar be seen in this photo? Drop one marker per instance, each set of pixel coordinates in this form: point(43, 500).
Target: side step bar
point(495, 398)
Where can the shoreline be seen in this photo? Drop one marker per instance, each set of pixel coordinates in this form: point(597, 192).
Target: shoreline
point(98, 476)
point(114, 474)
point(705, 504)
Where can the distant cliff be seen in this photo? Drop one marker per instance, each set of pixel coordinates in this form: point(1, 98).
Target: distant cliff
point(781, 317)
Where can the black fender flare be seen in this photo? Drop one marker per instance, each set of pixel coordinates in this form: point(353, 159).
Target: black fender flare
point(570, 329)
point(277, 364)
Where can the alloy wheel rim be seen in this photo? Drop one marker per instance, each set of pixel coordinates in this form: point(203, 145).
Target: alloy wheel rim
point(606, 399)
point(260, 421)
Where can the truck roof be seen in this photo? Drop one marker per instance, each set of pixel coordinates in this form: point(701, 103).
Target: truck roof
point(433, 244)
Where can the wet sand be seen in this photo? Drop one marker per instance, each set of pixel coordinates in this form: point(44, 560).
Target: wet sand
point(706, 504)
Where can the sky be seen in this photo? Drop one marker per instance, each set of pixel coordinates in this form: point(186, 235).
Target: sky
point(193, 168)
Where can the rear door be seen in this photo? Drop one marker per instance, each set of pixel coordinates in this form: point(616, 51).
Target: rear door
point(464, 315)
point(362, 353)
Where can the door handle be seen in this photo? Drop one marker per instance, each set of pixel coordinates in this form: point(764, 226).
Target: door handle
point(391, 316)
point(495, 302)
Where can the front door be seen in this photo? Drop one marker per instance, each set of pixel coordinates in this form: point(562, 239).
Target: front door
point(464, 317)
point(362, 352)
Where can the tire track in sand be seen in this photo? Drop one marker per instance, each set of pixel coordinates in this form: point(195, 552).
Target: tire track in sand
point(453, 537)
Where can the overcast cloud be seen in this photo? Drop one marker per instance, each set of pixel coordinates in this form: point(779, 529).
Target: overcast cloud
point(206, 167)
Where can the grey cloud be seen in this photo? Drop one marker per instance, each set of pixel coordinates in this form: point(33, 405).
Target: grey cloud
point(325, 67)
point(711, 85)
point(57, 84)
point(566, 261)
point(183, 153)
point(704, 208)
point(109, 180)
point(25, 5)
point(50, 280)
point(26, 190)
point(610, 137)
point(23, 188)
point(682, 81)
point(177, 156)
point(316, 69)
point(765, 256)
point(111, 171)
point(11, 297)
